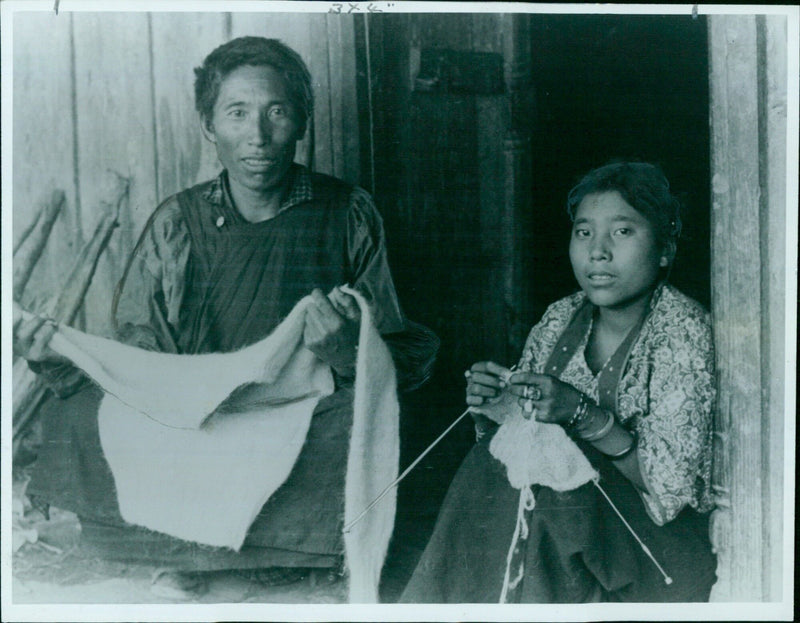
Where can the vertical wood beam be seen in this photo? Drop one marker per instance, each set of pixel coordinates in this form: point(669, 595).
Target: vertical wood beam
point(343, 51)
point(518, 191)
point(337, 48)
point(748, 251)
point(736, 275)
point(773, 68)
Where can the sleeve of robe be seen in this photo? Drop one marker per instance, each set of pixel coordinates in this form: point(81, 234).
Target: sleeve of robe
point(147, 306)
point(148, 300)
point(675, 435)
point(145, 311)
point(413, 346)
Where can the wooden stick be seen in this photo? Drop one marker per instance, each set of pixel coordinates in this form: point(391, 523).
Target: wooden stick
point(29, 390)
point(32, 243)
point(27, 230)
point(408, 469)
point(66, 305)
point(23, 393)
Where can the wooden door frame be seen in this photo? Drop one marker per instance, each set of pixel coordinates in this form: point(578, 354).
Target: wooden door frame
point(749, 265)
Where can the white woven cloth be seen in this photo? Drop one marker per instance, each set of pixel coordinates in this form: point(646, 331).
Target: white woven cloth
point(184, 467)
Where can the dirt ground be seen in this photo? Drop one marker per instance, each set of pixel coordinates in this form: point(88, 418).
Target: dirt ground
point(50, 567)
point(43, 573)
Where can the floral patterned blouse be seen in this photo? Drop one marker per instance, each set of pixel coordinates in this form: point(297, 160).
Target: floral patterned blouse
point(666, 394)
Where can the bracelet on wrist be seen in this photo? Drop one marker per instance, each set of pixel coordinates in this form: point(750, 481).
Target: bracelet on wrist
point(626, 451)
point(581, 415)
point(601, 432)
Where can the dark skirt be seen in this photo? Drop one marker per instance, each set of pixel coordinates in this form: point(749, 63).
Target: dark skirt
point(577, 550)
point(300, 525)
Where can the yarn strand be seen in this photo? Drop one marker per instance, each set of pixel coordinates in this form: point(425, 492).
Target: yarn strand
point(527, 502)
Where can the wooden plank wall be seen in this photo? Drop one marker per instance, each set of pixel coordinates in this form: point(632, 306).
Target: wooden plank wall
point(748, 83)
point(111, 95)
point(114, 136)
point(44, 158)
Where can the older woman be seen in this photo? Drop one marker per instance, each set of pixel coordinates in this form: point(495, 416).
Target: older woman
point(217, 268)
point(626, 367)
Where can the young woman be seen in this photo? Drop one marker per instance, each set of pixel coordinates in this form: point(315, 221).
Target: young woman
point(626, 367)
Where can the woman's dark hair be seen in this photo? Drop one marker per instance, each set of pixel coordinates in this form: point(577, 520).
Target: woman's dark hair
point(255, 51)
point(644, 187)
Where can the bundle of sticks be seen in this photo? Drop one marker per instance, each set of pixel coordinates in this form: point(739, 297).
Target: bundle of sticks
point(28, 390)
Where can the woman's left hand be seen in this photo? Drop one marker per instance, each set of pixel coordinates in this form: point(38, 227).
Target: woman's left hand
point(549, 399)
point(331, 329)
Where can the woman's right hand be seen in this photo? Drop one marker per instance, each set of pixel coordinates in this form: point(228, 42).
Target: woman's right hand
point(32, 336)
point(485, 381)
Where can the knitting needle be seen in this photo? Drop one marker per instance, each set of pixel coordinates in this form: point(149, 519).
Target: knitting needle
point(667, 579)
point(397, 480)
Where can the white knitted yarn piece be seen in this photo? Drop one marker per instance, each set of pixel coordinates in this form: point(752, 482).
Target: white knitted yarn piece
point(535, 453)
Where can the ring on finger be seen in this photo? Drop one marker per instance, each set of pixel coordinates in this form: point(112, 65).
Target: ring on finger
point(531, 392)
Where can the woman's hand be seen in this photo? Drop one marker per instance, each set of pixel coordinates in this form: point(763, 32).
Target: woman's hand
point(485, 381)
point(331, 330)
point(548, 398)
point(32, 336)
